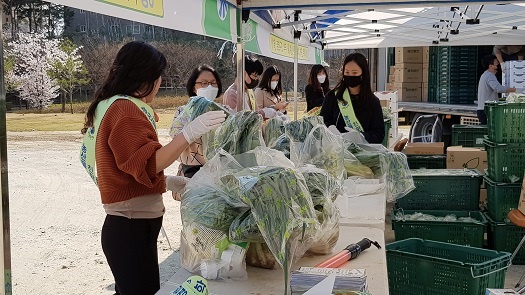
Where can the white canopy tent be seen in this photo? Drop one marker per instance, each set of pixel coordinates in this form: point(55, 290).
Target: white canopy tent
point(450, 25)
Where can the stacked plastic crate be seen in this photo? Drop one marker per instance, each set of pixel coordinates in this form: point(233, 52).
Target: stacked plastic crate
point(450, 78)
point(505, 145)
point(441, 193)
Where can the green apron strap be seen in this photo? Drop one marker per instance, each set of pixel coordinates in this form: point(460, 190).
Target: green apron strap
point(87, 151)
point(347, 111)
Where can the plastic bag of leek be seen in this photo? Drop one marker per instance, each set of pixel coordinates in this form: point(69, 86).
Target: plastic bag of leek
point(391, 167)
point(240, 133)
point(273, 129)
point(196, 106)
point(323, 149)
point(324, 189)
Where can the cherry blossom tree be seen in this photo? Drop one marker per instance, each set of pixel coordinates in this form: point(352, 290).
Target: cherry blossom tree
point(34, 56)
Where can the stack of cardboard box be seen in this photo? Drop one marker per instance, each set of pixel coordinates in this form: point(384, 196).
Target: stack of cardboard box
point(408, 76)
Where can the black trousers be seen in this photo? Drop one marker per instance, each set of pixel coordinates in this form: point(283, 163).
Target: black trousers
point(130, 246)
point(482, 117)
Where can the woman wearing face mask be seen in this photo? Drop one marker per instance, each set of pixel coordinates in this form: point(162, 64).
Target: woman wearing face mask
point(318, 86)
point(268, 93)
point(352, 106)
point(205, 82)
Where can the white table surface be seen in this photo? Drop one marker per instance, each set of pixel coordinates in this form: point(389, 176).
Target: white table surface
point(270, 282)
point(363, 210)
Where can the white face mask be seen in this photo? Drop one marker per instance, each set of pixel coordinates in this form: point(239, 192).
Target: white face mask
point(273, 84)
point(209, 92)
point(321, 78)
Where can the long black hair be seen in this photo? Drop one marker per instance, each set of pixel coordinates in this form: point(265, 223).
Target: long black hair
point(134, 72)
point(312, 79)
point(267, 79)
point(365, 94)
point(190, 86)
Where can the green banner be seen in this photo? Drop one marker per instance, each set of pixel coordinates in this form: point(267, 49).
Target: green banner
point(250, 37)
point(216, 19)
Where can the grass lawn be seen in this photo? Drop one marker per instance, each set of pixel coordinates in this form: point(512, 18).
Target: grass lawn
point(20, 122)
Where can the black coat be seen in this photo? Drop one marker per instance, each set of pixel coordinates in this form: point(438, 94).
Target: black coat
point(314, 98)
point(369, 114)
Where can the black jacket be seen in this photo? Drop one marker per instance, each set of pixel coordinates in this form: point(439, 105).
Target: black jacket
point(369, 114)
point(314, 98)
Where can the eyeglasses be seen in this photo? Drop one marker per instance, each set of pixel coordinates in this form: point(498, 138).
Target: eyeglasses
point(206, 83)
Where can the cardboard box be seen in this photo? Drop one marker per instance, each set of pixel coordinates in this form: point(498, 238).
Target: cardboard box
point(391, 78)
point(424, 91)
point(521, 205)
point(406, 72)
point(424, 148)
point(409, 54)
point(392, 70)
point(408, 91)
point(390, 87)
point(500, 292)
point(426, 55)
point(459, 157)
point(424, 71)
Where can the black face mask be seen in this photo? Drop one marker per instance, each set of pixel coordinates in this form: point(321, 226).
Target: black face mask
point(352, 81)
point(252, 84)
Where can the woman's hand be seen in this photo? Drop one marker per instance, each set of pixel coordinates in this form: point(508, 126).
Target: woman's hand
point(280, 106)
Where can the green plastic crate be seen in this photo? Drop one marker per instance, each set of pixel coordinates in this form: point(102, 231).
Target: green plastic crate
point(505, 122)
point(427, 161)
point(506, 161)
point(443, 189)
point(468, 135)
point(456, 232)
point(417, 267)
point(505, 236)
point(501, 198)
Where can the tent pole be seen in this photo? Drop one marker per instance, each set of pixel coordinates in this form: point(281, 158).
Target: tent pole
point(5, 241)
point(295, 63)
point(240, 61)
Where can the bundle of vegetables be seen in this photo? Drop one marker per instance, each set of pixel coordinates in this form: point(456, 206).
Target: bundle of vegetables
point(282, 208)
point(282, 144)
point(238, 134)
point(297, 131)
point(322, 149)
point(390, 166)
point(195, 107)
point(324, 189)
point(354, 168)
point(199, 105)
point(399, 181)
point(274, 128)
point(205, 204)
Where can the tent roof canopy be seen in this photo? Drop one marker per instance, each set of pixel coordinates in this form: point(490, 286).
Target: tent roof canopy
point(393, 24)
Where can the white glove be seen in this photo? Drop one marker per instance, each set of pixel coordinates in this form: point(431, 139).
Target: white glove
point(334, 130)
point(202, 124)
point(269, 113)
point(176, 184)
point(353, 136)
point(502, 66)
point(282, 117)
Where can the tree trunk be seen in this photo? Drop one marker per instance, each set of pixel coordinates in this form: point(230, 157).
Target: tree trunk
point(71, 100)
point(63, 101)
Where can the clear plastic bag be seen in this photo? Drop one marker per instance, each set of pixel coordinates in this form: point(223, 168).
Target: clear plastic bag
point(323, 149)
point(196, 106)
point(273, 129)
point(240, 133)
point(324, 189)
